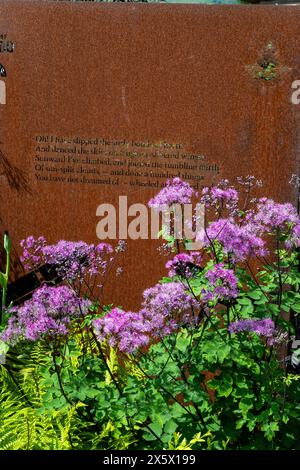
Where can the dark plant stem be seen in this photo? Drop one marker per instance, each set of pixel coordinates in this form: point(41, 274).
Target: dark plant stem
point(211, 244)
point(204, 313)
point(105, 362)
point(279, 271)
point(228, 320)
point(255, 280)
point(60, 381)
point(284, 397)
point(63, 391)
point(153, 433)
point(166, 391)
point(170, 353)
point(101, 353)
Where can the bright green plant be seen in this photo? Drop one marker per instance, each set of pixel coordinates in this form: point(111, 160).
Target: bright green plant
point(4, 275)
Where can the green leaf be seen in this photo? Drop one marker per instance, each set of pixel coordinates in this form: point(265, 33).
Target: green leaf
point(156, 428)
point(285, 419)
point(223, 352)
point(285, 308)
point(3, 347)
point(149, 436)
point(223, 386)
point(245, 405)
point(240, 423)
point(247, 309)
point(170, 427)
point(296, 307)
point(270, 429)
point(244, 301)
point(255, 294)
point(3, 279)
point(182, 343)
point(251, 425)
point(91, 392)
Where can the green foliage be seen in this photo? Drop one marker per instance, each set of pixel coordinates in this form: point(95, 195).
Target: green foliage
point(4, 276)
point(21, 424)
point(179, 443)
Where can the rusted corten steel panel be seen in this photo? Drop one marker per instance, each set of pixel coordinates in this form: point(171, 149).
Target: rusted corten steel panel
point(104, 100)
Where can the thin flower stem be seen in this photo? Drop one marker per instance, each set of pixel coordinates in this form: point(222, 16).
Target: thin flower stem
point(255, 280)
point(60, 382)
point(105, 362)
point(169, 394)
point(211, 244)
point(153, 433)
point(205, 314)
point(228, 320)
point(279, 271)
point(170, 352)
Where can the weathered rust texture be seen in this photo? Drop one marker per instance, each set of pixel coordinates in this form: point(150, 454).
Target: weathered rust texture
point(179, 74)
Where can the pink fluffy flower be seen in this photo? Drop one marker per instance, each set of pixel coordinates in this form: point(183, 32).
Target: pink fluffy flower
point(46, 315)
point(223, 284)
point(239, 241)
point(184, 264)
point(176, 191)
point(164, 309)
point(71, 260)
point(221, 196)
point(271, 215)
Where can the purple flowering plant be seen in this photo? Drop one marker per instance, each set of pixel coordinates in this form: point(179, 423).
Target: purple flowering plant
point(205, 355)
point(48, 314)
point(73, 261)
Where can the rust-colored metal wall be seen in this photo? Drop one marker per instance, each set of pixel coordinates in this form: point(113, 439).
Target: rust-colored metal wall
point(158, 83)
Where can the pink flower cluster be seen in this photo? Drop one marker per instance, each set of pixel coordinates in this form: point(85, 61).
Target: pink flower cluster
point(72, 260)
point(176, 191)
point(46, 315)
point(223, 284)
point(265, 327)
point(239, 241)
point(221, 196)
point(241, 234)
point(271, 215)
point(294, 238)
point(32, 251)
point(126, 330)
point(184, 264)
point(164, 309)
point(168, 301)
